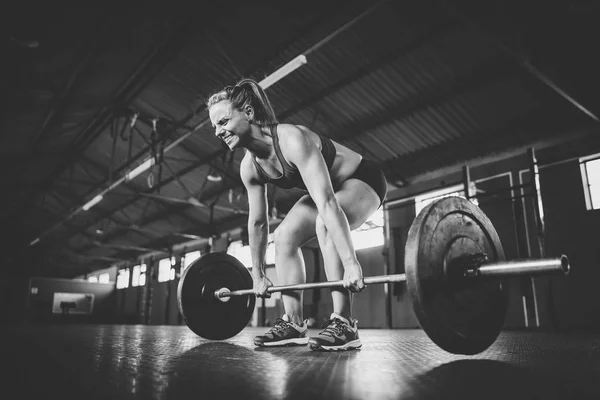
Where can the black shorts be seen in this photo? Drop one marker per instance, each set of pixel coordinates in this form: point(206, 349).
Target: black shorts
point(372, 175)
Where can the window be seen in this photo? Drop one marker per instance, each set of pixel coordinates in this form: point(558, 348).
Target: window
point(189, 258)
point(138, 276)
point(242, 253)
point(369, 234)
point(123, 278)
point(422, 201)
point(166, 271)
point(590, 175)
point(104, 278)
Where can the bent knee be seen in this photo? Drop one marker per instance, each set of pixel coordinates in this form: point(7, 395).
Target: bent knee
point(286, 238)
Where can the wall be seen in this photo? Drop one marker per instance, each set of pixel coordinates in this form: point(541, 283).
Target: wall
point(493, 183)
point(40, 304)
point(13, 299)
point(369, 306)
point(572, 304)
point(548, 303)
point(400, 217)
point(551, 303)
point(496, 201)
point(128, 305)
point(154, 303)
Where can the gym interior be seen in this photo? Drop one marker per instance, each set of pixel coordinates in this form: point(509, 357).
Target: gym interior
point(116, 187)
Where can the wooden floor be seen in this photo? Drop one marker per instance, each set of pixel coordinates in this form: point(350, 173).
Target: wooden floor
point(157, 362)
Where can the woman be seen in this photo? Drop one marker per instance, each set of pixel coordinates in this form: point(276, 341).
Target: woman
point(343, 190)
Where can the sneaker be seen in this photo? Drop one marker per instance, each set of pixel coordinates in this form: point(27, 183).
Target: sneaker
point(283, 333)
point(337, 334)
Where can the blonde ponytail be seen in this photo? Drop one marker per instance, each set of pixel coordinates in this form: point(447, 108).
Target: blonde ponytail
point(247, 92)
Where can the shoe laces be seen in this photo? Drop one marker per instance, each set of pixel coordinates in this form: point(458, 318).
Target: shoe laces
point(333, 327)
point(279, 326)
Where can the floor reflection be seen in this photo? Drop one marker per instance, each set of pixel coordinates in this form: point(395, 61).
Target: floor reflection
point(482, 379)
point(151, 362)
point(228, 370)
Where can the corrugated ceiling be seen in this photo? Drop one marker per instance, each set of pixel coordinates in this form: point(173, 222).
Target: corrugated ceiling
point(410, 86)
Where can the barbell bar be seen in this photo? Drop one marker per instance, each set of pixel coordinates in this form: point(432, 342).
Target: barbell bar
point(505, 269)
point(454, 271)
point(223, 293)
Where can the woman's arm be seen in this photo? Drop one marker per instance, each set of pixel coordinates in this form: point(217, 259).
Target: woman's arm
point(300, 150)
point(258, 221)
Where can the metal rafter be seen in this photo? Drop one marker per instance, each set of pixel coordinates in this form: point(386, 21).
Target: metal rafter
point(155, 60)
point(313, 48)
point(496, 68)
point(135, 191)
point(121, 246)
point(74, 227)
point(193, 114)
point(489, 71)
point(418, 41)
point(184, 147)
point(227, 224)
point(156, 234)
point(59, 102)
point(205, 231)
point(421, 38)
point(534, 127)
point(522, 60)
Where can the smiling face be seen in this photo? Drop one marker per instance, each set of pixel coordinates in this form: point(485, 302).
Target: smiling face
point(231, 125)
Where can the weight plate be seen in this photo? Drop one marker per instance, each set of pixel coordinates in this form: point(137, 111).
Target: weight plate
point(205, 315)
point(461, 317)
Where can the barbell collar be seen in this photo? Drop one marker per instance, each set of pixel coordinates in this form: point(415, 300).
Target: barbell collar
point(223, 294)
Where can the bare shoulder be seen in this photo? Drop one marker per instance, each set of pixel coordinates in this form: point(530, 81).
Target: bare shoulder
point(248, 172)
point(294, 138)
point(291, 132)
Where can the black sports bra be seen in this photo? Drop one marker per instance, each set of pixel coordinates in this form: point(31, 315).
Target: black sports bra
point(291, 177)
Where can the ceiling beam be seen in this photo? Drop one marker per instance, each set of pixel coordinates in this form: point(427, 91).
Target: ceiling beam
point(421, 37)
point(491, 70)
point(534, 130)
point(193, 114)
point(121, 247)
point(59, 101)
point(154, 61)
point(204, 229)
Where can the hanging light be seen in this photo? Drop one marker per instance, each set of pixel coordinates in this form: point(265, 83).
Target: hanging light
point(92, 202)
point(139, 169)
point(283, 71)
point(214, 176)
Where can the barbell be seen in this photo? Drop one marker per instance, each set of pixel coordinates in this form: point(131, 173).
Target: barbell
point(454, 263)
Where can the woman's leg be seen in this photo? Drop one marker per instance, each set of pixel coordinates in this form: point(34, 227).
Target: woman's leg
point(297, 229)
point(359, 201)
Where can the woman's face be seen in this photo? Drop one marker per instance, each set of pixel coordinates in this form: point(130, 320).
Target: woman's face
point(232, 126)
